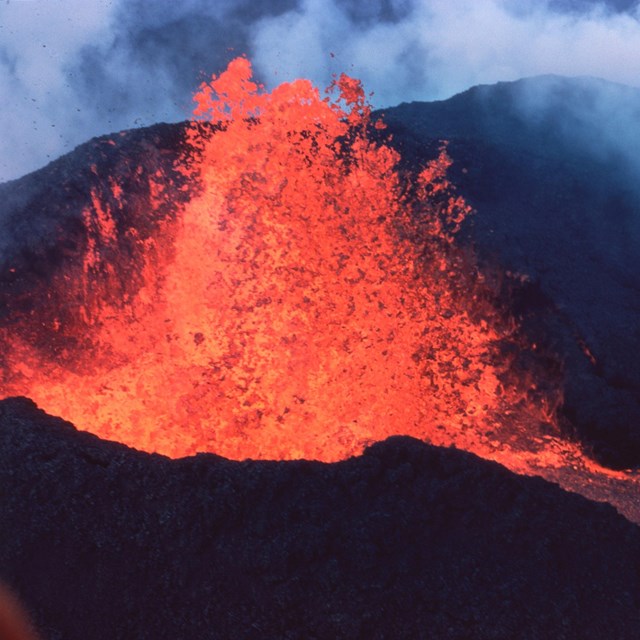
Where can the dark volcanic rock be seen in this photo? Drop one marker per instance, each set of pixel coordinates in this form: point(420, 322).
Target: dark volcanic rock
point(550, 165)
point(406, 541)
point(43, 235)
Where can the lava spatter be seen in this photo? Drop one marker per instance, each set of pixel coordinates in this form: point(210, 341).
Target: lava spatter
point(306, 301)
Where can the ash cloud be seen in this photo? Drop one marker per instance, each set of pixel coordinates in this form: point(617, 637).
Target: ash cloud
point(70, 70)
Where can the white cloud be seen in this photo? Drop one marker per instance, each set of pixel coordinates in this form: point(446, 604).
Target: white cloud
point(73, 69)
point(442, 47)
point(39, 41)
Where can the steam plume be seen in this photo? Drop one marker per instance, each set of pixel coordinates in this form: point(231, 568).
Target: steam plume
point(70, 70)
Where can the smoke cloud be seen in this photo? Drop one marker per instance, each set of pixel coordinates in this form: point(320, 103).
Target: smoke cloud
point(73, 69)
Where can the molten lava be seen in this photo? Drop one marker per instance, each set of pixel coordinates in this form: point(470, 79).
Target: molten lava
point(306, 301)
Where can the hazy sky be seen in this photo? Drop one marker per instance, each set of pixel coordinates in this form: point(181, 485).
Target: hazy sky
point(73, 69)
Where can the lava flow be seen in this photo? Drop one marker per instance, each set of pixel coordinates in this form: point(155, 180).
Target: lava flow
point(306, 301)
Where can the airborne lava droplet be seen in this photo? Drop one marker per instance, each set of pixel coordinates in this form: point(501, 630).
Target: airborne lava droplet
point(306, 301)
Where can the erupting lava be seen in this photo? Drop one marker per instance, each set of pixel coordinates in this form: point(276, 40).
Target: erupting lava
point(306, 301)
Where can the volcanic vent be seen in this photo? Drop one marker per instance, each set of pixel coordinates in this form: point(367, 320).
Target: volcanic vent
point(289, 293)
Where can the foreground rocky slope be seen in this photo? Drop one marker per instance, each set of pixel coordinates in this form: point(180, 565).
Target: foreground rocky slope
point(406, 541)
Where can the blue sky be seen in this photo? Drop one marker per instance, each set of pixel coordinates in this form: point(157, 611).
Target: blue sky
point(73, 69)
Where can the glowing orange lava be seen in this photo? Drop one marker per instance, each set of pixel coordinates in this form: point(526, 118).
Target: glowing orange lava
point(306, 301)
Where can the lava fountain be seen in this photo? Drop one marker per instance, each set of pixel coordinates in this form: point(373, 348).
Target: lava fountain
point(307, 300)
